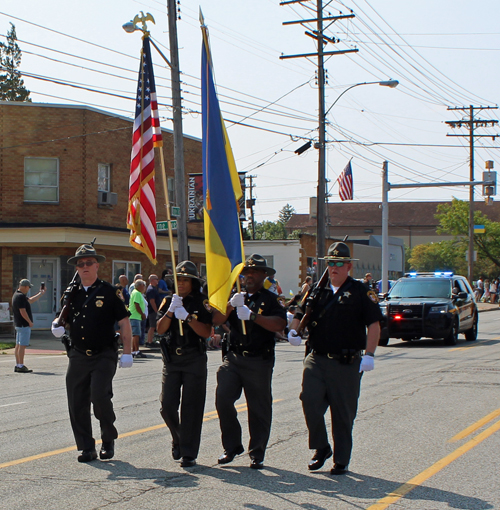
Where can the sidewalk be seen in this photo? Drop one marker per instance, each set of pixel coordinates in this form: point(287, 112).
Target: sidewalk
point(43, 342)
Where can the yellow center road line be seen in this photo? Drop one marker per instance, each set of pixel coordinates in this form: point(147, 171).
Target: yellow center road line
point(476, 344)
point(475, 426)
point(418, 480)
point(211, 415)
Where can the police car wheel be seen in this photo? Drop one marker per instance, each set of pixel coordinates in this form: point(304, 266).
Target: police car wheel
point(471, 334)
point(383, 341)
point(452, 338)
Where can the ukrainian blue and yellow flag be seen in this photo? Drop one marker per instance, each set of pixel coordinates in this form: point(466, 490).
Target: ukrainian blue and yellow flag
point(221, 191)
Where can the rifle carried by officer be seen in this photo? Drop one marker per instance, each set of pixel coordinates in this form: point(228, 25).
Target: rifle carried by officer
point(66, 300)
point(311, 299)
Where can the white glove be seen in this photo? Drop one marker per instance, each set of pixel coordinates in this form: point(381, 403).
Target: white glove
point(57, 331)
point(238, 300)
point(181, 313)
point(243, 312)
point(175, 303)
point(293, 338)
point(367, 364)
point(126, 361)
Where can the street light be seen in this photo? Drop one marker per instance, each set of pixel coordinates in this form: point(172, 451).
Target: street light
point(392, 84)
point(321, 216)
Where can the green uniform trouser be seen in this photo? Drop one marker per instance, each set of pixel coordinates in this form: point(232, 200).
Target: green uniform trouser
point(326, 382)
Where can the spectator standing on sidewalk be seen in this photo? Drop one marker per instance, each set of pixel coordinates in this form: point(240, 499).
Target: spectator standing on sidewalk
point(23, 321)
point(153, 298)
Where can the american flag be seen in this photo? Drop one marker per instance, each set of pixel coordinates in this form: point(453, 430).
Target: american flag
point(141, 218)
point(345, 183)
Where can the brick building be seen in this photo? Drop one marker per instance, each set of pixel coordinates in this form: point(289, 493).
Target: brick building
point(64, 174)
point(413, 222)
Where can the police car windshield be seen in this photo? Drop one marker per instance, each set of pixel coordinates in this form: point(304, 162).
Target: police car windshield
point(421, 288)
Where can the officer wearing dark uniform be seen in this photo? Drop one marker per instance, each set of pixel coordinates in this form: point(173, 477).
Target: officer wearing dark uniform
point(94, 309)
point(344, 322)
point(248, 363)
point(185, 362)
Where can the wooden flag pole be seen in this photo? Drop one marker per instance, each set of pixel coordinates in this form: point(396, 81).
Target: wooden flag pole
point(238, 288)
point(170, 234)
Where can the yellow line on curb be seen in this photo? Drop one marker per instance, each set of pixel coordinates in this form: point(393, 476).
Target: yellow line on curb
point(211, 415)
point(418, 480)
point(475, 426)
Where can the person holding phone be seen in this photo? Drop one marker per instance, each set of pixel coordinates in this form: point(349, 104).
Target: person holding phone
point(23, 321)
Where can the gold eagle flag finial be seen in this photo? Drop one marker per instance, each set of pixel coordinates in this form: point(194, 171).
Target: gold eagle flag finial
point(142, 19)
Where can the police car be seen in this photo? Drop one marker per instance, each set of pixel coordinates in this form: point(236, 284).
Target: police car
point(430, 305)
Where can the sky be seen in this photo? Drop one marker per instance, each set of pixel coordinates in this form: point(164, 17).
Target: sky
point(444, 54)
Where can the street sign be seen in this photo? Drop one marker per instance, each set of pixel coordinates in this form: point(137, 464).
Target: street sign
point(479, 229)
point(176, 211)
point(162, 226)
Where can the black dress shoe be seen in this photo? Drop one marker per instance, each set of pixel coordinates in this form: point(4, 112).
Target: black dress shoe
point(107, 450)
point(230, 455)
point(87, 456)
point(257, 464)
point(339, 469)
point(188, 462)
point(176, 451)
point(319, 458)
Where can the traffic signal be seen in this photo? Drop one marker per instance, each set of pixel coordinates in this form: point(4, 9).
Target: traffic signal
point(490, 190)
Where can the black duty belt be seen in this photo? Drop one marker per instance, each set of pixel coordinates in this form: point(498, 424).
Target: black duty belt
point(252, 353)
point(182, 351)
point(337, 355)
point(89, 352)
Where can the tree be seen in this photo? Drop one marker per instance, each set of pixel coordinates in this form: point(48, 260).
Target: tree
point(454, 220)
point(11, 83)
point(434, 257)
point(275, 229)
point(286, 213)
point(270, 230)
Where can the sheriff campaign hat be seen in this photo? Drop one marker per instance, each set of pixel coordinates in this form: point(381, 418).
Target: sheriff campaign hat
point(339, 251)
point(256, 261)
point(84, 251)
point(187, 269)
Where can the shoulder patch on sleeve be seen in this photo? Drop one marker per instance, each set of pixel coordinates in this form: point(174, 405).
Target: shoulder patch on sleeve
point(372, 295)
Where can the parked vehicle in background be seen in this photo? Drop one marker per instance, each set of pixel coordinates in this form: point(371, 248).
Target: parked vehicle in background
point(429, 305)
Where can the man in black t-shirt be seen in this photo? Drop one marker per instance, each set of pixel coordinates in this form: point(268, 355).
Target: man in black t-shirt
point(344, 322)
point(248, 363)
point(23, 321)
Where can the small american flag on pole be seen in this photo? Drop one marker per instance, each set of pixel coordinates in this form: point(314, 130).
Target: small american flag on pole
point(346, 190)
point(141, 218)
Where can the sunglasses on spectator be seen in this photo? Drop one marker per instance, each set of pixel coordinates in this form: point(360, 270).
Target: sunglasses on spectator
point(333, 263)
point(87, 263)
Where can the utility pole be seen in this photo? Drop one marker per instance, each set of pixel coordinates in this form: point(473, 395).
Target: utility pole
point(251, 202)
point(471, 123)
point(180, 184)
point(321, 39)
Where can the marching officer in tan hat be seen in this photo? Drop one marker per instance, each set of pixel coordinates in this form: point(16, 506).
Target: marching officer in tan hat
point(344, 330)
point(248, 363)
point(93, 353)
point(184, 362)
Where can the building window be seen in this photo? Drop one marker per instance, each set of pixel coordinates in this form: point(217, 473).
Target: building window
point(129, 269)
point(41, 180)
point(103, 177)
